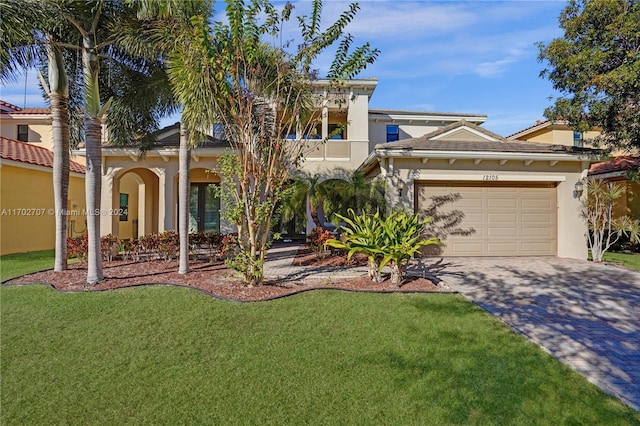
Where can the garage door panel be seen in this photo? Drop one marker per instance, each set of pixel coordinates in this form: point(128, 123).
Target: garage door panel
point(537, 203)
point(536, 232)
point(498, 218)
point(502, 232)
point(502, 203)
point(537, 218)
point(509, 219)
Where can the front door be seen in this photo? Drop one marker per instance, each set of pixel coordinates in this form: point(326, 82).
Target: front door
point(204, 208)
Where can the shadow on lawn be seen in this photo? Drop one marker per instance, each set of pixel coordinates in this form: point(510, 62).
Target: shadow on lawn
point(585, 314)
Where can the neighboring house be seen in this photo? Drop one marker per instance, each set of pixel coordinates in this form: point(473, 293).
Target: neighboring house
point(616, 171)
point(26, 197)
point(555, 132)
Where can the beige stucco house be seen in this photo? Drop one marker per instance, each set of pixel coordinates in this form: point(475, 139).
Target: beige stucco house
point(519, 196)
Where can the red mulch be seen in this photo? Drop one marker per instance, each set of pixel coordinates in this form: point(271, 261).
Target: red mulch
point(214, 279)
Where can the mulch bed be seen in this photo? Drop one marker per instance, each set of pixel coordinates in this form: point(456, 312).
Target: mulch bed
point(215, 279)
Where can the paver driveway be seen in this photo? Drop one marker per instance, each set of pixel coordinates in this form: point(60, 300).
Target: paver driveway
point(585, 314)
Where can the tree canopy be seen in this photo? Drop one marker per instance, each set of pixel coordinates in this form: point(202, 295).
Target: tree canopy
point(596, 68)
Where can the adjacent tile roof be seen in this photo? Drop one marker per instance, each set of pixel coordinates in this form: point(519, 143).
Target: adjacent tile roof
point(619, 164)
point(26, 153)
point(7, 108)
point(428, 143)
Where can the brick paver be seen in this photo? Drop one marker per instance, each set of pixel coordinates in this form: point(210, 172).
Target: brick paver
point(587, 315)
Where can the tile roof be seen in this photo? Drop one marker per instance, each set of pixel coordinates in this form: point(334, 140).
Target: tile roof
point(26, 153)
point(7, 108)
point(428, 143)
point(618, 164)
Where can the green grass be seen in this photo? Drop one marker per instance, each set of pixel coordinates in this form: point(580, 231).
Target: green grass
point(164, 355)
point(628, 260)
point(17, 264)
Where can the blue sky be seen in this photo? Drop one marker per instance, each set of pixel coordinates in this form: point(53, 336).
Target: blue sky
point(456, 56)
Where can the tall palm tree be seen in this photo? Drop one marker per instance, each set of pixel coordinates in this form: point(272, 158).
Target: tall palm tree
point(28, 36)
point(167, 31)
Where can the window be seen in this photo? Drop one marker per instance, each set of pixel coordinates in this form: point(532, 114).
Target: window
point(23, 132)
point(577, 139)
point(336, 131)
point(124, 207)
point(393, 132)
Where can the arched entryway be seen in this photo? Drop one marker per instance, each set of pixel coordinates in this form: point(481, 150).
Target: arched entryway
point(135, 203)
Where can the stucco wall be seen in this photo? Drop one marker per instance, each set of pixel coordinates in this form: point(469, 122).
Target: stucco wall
point(26, 201)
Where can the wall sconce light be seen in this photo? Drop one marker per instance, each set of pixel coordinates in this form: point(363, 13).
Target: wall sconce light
point(400, 188)
point(579, 188)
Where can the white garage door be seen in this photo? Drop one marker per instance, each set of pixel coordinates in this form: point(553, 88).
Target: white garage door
point(510, 219)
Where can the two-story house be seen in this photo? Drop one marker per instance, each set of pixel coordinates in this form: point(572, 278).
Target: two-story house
point(520, 197)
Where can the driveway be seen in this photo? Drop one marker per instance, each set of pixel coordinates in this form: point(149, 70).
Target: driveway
point(585, 314)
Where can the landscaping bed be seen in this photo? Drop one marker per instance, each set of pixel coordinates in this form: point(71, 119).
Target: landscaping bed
point(215, 279)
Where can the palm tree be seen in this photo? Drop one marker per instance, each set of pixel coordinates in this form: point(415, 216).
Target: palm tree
point(167, 31)
point(309, 192)
point(354, 192)
point(29, 33)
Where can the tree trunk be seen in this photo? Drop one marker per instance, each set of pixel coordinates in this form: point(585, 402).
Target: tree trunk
point(60, 130)
point(93, 187)
point(93, 135)
point(396, 274)
point(58, 95)
point(183, 203)
point(374, 271)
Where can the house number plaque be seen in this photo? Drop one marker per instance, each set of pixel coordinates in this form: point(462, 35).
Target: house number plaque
point(490, 177)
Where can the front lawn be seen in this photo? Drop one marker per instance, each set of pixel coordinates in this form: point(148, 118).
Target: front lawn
point(164, 355)
point(628, 260)
point(17, 264)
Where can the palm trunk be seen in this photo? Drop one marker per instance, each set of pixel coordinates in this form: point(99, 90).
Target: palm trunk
point(58, 95)
point(183, 204)
point(93, 187)
point(60, 130)
point(374, 272)
point(93, 134)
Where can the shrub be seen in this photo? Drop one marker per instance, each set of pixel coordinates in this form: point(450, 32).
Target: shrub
point(317, 239)
point(168, 245)
point(394, 240)
point(77, 247)
point(109, 246)
point(361, 234)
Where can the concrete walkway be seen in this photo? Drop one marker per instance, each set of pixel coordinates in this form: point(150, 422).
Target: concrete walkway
point(587, 315)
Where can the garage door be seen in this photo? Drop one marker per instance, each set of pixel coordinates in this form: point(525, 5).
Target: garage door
point(510, 219)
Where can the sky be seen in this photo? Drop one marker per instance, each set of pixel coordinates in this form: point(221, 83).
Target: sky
point(457, 56)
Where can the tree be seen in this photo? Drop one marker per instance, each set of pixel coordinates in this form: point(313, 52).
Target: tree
point(21, 47)
point(603, 230)
point(308, 191)
point(596, 68)
point(259, 92)
point(168, 32)
point(354, 192)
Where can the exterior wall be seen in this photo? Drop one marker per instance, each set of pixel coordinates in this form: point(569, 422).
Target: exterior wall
point(39, 129)
point(571, 229)
point(31, 188)
point(378, 131)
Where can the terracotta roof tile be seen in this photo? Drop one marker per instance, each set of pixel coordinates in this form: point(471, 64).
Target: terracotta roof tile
point(7, 106)
point(618, 164)
point(26, 153)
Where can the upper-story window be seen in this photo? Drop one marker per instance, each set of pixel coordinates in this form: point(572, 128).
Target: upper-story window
point(23, 132)
point(336, 131)
point(393, 132)
point(577, 139)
